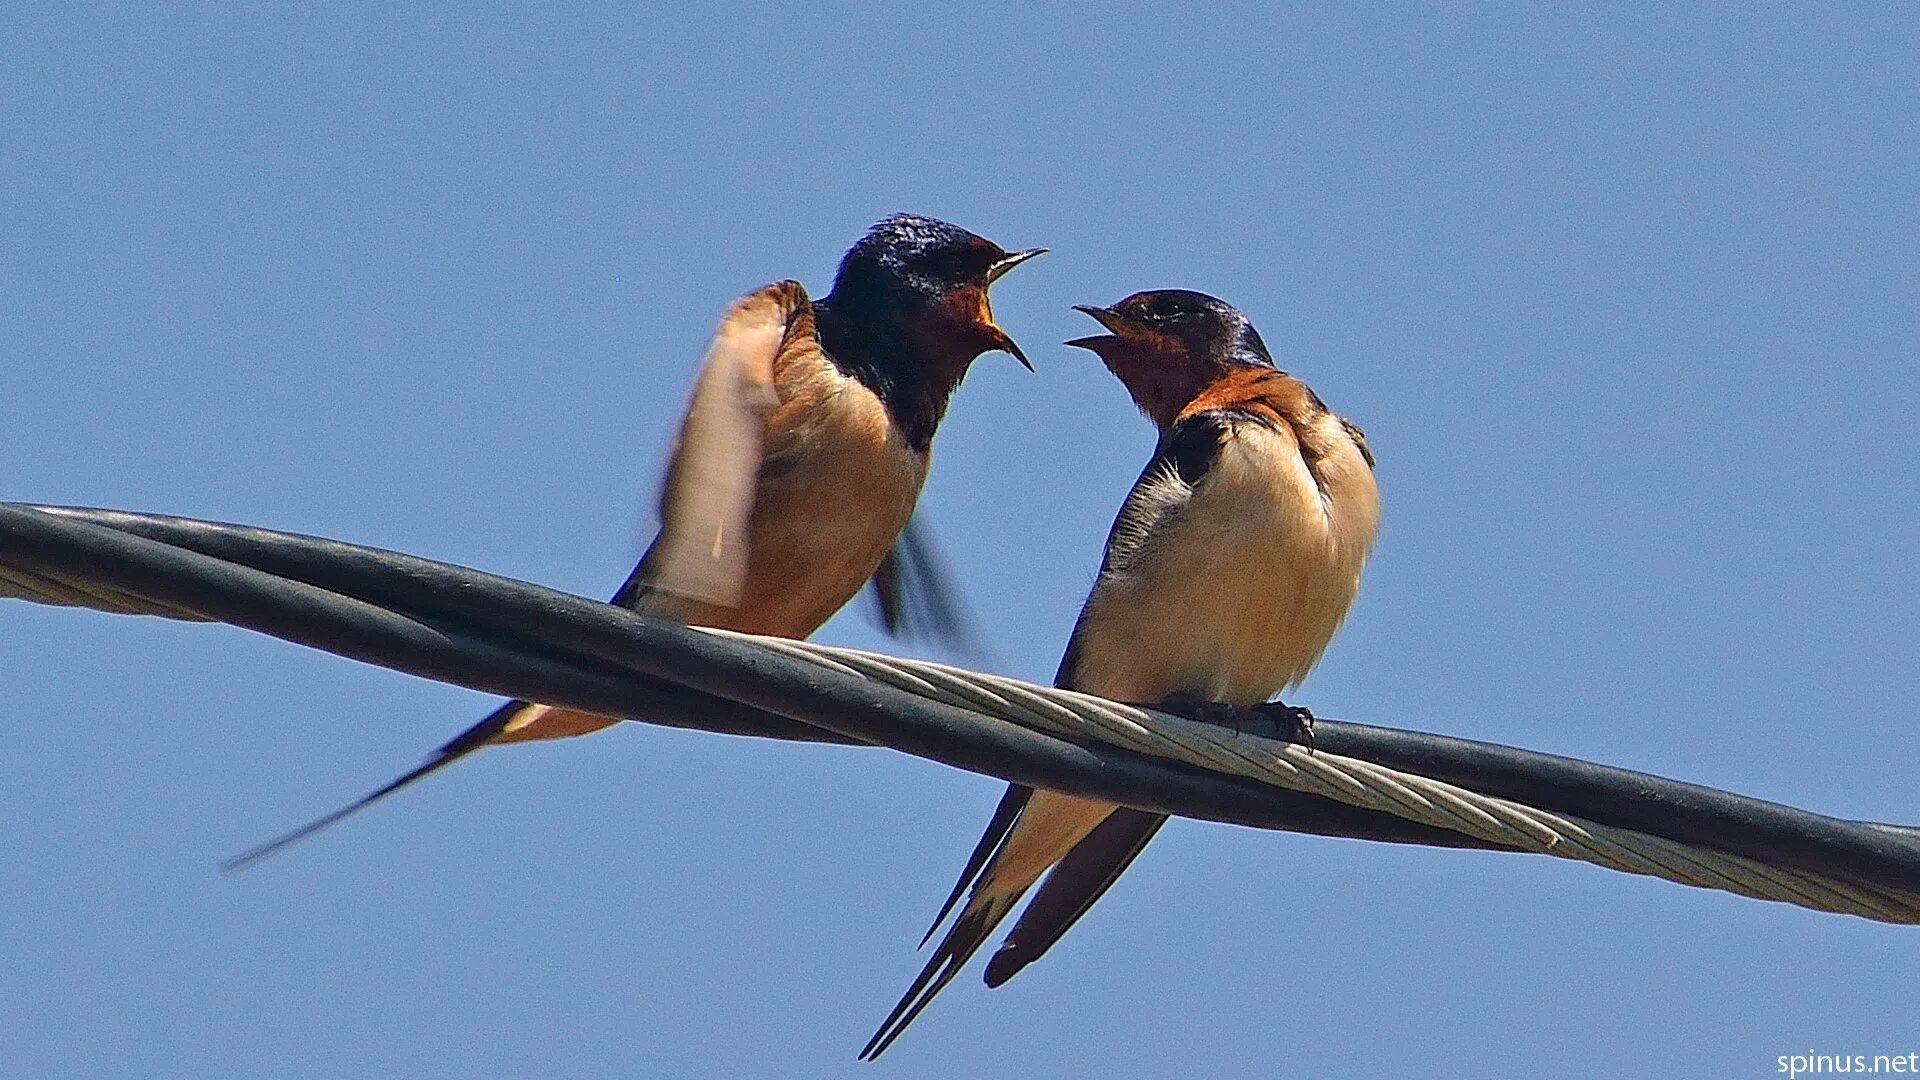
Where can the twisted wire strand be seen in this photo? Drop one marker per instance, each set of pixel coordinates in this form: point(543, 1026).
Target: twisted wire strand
point(1083, 717)
point(26, 585)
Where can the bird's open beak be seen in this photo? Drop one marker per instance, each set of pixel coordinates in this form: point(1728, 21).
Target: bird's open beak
point(1113, 321)
point(1000, 339)
point(1007, 263)
point(1006, 345)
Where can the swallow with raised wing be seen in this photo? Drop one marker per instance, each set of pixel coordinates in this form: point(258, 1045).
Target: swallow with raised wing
point(798, 462)
point(1232, 562)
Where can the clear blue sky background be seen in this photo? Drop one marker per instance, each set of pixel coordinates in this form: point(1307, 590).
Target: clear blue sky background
point(1626, 301)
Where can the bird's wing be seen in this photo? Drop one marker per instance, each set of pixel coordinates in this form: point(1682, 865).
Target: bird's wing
point(915, 598)
point(706, 502)
point(1071, 888)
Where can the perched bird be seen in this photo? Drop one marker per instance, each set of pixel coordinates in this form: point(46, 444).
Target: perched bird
point(799, 460)
point(1231, 564)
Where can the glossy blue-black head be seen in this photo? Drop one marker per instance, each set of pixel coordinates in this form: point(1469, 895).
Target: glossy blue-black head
point(1167, 321)
point(930, 276)
point(924, 257)
point(1168, 346)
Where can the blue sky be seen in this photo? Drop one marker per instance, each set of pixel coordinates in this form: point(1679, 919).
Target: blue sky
point(1625, 301)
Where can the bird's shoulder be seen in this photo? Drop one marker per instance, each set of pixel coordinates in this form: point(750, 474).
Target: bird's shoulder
point(1260, 393)
point(1257, 396)
point(708, 492)
point(785, 305)
point(1280, 401)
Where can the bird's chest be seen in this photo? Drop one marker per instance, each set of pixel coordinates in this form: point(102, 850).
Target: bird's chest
point(1234, 592)
point(837, 485)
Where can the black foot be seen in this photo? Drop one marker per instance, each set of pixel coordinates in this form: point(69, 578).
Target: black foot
point(1290, 723)
point(1273, 720)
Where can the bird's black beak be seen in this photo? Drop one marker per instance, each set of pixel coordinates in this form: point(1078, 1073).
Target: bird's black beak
point(1108, 318)
point(1001, 340)
point(1008, 262)
point(1006, 345)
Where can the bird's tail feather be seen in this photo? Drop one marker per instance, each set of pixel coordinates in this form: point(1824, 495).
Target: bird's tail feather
point(466, 743)
point(1001, 824)
point(1029, 832)
point(969, 932)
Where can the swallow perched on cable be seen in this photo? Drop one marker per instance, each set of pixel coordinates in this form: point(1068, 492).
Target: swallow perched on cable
point(798, 463)
point(1231, 564)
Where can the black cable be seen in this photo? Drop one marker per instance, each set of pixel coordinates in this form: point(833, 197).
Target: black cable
point(449, 623)
point(494, 634)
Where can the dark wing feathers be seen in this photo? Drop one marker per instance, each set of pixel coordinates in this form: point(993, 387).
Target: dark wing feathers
point(1004, 815)
point(1191, 446)
point(1072, 887)
point(915, 597)
point(1359, 439)
point(1186, 454)
point(635, 591)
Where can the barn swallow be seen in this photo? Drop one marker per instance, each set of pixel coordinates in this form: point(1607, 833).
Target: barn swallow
point(798, 462)
point(1231, 564)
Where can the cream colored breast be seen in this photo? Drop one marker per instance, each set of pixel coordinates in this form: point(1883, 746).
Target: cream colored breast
point(1243, 583)
point(837, 485)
